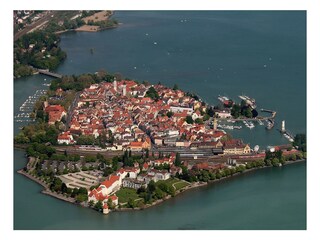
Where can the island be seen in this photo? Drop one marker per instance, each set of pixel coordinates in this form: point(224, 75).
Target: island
point(112, 144)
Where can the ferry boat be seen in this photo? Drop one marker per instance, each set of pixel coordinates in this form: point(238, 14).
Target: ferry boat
point(248, 100)
point(223, 98)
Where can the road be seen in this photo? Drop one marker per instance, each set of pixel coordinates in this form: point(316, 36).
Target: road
point(71, 109)
point(46, 17)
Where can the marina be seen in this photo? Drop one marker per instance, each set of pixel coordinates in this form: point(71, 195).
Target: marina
point(27, 106)
point(248, 124)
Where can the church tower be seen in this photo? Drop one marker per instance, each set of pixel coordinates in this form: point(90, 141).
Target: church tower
point(215, 124)
point(115, 85)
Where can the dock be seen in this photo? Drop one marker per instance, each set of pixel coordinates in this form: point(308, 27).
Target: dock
point(288, 136)
point(273, 113)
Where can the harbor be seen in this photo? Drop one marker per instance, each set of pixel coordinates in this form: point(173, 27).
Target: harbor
point(268, 122)
point(25, 110)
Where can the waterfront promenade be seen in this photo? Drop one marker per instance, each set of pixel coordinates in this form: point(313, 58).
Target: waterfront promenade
point(46, 187)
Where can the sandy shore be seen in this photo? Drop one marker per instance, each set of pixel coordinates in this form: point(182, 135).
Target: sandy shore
point(99, 16)
point(88, 28)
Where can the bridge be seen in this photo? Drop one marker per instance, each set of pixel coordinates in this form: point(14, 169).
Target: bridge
point(48, 73)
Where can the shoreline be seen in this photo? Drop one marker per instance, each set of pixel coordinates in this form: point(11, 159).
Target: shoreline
point(201, 184)
point(47, 191)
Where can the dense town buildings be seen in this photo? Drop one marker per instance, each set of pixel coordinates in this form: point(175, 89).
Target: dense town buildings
point(124, 113)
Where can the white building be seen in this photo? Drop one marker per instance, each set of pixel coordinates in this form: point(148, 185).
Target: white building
point(65, 138)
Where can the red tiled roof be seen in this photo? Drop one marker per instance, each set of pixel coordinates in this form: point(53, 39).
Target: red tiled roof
point(112, 179)
point(113, 197)
point(54, 108)
point(135, 144)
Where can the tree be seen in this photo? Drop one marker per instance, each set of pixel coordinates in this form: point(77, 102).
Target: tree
point(189, 120)
point(177, 161)
point(163, 186)
point(275, 162)
point(170, 114)
point(115, 163)
point(64, 188)
point(301, 142)
point(199, 121)
point(152, 93)
point(247, 112)
point(131, 203)
point(111, 205)
point(268, 162)
point(235, 111)
point(141, 190)
point(82, 190)
point(81, 197)
point(171, 191)
point(206, 117)
point(91, 203)
point(98, 206)
point(56, 185)
point(107, 171)
point(210, 111)
point(151, 186)
point(159, 194)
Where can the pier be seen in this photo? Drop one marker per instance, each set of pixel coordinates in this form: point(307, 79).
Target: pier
point(48, 73)
point(269, 111)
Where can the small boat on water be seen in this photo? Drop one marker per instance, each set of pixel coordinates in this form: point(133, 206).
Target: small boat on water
point(270, 124)
point(260, 122)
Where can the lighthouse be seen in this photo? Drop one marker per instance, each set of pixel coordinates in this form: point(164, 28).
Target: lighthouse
point(283, 128)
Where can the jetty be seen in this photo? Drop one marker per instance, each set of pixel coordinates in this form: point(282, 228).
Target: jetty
point(269, 111)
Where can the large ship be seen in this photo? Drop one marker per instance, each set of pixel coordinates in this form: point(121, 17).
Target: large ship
point(223, 98)
point(250, 101)
point(226, 101)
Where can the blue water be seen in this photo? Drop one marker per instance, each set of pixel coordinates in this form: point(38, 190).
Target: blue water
point(258, 53)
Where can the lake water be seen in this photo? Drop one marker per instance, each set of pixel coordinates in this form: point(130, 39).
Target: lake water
point(261, 54)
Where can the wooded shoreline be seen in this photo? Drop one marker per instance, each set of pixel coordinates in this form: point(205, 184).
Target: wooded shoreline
point(47, 190)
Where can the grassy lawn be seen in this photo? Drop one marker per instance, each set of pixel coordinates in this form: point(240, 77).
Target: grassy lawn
point(181, 184)
point(178, 184)
point(125, 193)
